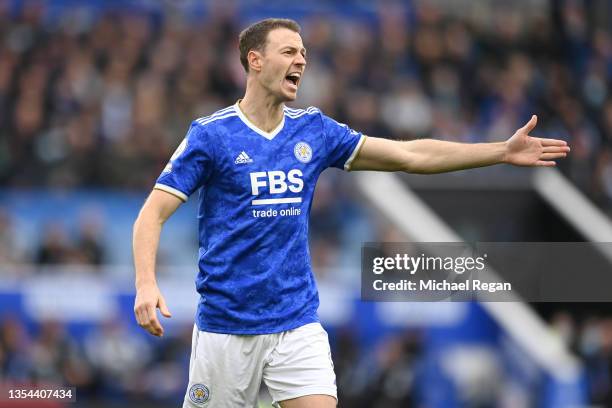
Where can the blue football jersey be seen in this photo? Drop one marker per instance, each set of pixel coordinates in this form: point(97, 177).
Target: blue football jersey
point(255, 194)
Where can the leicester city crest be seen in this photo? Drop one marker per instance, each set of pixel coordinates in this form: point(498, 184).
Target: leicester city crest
point(199, 394)
point(303, 152)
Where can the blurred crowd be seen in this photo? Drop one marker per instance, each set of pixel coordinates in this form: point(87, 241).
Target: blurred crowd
point(106, 361)
point(112, 364)
point(102, 99)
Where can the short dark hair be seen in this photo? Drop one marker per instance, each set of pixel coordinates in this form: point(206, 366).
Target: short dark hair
point(254, 37)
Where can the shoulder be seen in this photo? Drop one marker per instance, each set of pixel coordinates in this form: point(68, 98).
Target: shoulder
point(309, 113)
point(202, 129)
point(215, 119)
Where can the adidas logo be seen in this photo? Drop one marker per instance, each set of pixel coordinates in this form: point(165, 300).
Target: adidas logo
point(243, 158)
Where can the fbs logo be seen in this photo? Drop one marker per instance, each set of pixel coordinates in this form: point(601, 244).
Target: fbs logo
point(243, 158)
point(277, 182)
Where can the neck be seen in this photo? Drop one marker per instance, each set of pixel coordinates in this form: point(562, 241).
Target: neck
point(262, 109)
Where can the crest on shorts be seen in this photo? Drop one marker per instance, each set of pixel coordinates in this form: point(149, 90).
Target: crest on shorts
point(199, 394)
point(303, 152)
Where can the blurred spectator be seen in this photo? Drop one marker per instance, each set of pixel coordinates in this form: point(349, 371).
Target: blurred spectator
point(167, 377)
point(54, 248)
point(89, 240)
point(595, 346)
point(9, 252)
point(118, 356)
point(382, 378)
point(55, 357)
point(57, 247)
point(15, 362)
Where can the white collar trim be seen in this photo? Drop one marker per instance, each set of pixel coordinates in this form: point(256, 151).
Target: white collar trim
point(267, 135)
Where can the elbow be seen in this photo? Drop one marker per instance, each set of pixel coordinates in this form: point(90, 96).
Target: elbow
point(416, 164)
point(147, 217)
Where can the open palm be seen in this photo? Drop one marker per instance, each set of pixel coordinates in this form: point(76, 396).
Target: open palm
point(525, 150)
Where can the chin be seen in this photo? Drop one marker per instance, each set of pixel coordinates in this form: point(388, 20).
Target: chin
point(294, 95)
point(288, 97)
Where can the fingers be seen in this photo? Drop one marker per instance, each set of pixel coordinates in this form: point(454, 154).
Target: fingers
point(139, 318)
point(556, 149)
point(163, 308)
point(531, 124)
point(552, 142)
point(544, 163)
point(147, 319)
point(153, 326)
point(148, 299)
point(550, 156)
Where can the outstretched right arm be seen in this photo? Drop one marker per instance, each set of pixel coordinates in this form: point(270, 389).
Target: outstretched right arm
point(147, 229)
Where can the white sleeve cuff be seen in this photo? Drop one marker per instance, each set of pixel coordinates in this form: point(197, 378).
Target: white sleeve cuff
point(172, 191)
point(349, 161)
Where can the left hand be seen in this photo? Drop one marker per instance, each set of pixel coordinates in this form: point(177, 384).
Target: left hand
point(525, 150)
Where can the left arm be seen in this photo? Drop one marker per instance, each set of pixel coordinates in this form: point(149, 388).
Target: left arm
point(428, 156)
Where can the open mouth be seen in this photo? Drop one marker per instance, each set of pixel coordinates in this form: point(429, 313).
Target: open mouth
point(293, 79)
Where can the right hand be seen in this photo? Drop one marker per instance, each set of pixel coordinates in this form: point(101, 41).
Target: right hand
point(148, 299)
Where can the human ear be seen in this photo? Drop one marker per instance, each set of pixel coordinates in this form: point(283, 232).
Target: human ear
point(255, 60)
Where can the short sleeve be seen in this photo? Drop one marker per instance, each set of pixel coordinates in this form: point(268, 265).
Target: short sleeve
point(189, 167)
point(343, 143)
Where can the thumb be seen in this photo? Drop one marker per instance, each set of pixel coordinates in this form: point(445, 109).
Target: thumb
point(531, 124)
point(163, 308)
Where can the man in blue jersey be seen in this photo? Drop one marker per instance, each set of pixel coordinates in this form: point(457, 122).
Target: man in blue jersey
point(256, 164)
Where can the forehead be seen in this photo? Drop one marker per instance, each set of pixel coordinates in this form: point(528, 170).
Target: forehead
point(282, 37)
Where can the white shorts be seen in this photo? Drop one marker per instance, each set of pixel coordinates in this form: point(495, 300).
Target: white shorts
point(226, 370)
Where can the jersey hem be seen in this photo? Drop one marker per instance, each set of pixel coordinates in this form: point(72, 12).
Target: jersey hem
point(171, 190)
point(294, 325)
point(330, 390)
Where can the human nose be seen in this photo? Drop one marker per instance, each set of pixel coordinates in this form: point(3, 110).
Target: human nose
point(300, 60)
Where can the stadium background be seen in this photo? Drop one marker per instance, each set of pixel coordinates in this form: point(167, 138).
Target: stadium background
point(95, 96)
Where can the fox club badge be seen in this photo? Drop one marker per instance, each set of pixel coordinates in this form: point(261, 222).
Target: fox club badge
point(199, 394)
point(303, 152)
